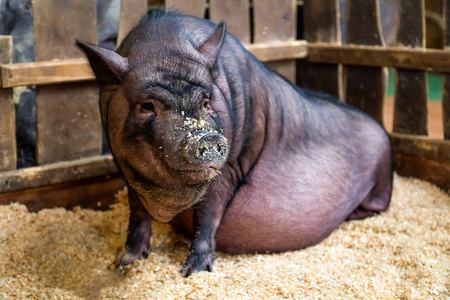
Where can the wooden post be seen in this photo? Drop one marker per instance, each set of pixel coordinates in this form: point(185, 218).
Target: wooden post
point(276, 21)
point(192, 7)
point(131, 12)
point(410, 110)
point(236, 13)
point(68, 119)
point(364, 85)
point(8, 156)
point(446, 77)
point(321, 25)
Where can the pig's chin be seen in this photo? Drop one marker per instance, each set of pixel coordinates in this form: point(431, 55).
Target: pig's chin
point(163, 213)
point(202, 175)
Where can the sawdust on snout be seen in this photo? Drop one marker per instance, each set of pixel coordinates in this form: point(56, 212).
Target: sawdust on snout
point(401, 254)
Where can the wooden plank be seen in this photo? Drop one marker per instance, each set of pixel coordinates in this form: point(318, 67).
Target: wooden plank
point(276, 21)
point(95, 193)
point(78, 69)
point(446, 76)
point(57, 173)
point(321, 25)
point(46, 72)
point(426, 169)
point(131, 12)
point(192, 7)
point(8, 156)
point(364, 85)
point(68, 120)
point(376, 56)
point(421, 146)
point(410, 108)
point(236, 13)
point(279, 51)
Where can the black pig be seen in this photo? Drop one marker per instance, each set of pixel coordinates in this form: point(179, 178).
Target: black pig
point(194, 120)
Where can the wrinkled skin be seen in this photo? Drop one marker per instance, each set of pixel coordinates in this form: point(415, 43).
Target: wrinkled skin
point(287, 166)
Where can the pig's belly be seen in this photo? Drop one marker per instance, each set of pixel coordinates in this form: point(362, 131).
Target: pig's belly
point(290, 207)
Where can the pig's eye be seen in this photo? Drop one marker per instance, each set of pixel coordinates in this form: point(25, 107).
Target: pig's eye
point(147, 107)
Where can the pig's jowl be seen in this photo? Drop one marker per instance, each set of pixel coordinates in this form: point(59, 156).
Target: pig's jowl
point(196, 121)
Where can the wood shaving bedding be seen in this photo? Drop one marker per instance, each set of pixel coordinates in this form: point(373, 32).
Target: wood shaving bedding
point(401, 254)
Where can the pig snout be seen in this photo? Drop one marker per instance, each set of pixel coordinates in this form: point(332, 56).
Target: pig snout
point(205, 148)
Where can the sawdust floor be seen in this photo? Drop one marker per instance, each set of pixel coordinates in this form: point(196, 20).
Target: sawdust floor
point(401, 254)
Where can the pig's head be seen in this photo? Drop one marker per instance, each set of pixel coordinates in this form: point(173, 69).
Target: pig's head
point(156, 104)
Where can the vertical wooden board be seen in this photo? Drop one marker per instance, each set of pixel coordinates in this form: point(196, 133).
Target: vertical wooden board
point(276, 21)
point(68, 120)
point(8, 156)
point(131, 12)
point(364, 85)
point(192, 7)
point(410, 108)
point(236, 13)
point(321, 25)
point(446, 76)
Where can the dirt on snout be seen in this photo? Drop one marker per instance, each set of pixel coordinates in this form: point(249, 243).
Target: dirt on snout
point(401, 254)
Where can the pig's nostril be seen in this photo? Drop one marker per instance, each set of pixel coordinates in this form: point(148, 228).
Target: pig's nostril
point(219, 149)
point(200, 153)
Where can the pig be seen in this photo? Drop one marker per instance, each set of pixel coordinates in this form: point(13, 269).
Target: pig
point(228, 151)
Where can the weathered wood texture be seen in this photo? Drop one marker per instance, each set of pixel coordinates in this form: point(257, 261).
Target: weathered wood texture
point(410, 109)
point(57, 173)
point(68, 120)
point(192, 7)
point(376, 56)
point(364, 85)
point(446, 76)
point(46, 72)
point(131, 12)
point(276, 21)
point(8, 157)
point(321, 25)
point(78, 69)
point(236, 13)
point(95, 193)
point(437, 172)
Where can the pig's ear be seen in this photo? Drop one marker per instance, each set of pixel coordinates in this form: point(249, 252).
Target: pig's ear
point(211, 47)
point(108, 66)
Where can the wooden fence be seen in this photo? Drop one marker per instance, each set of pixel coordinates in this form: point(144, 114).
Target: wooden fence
point(71, 169)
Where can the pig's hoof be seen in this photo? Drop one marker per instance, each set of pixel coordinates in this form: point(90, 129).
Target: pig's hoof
point(127, 257)
point(197, 262)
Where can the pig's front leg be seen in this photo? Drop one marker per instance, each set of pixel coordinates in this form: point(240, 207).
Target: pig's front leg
point(207, 217)
point(139, 232)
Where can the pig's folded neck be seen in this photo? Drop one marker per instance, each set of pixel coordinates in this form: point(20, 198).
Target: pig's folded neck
point(270, 102)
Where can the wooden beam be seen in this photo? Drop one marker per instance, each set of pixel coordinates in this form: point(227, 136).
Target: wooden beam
point(57, 173)
point(364, 86)
point(410, 108)
point(192, 7)
point(46, 72)
point(78, 69)
point(376, 56)
point(95, 193)
point(436, 172)
point(421, 146)
point(268, 52)
point(67, 118)
point(321, 25)
point(131, 11)
point(8, 156)
point(276, 21)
